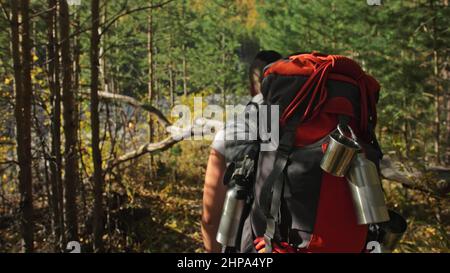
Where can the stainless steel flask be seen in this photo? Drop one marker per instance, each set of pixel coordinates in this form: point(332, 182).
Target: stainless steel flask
point(235, 203)
point(340, 152)
point(231, 216)
point(366, 191)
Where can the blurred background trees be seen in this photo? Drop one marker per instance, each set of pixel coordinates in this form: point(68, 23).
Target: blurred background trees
point(67, 166)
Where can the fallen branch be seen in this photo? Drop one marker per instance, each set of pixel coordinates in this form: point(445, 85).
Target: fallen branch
point(440, 169)
point(391, 172)
point(135, 103)
point(144, 149)
point(175, 134)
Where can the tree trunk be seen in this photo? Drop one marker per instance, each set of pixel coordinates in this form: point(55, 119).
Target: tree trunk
point(185, 91)
point(26, 178)
point(223, 88)
point(171, 85)
point(95, 125)
point(437, 106)
point(22, 73)
point(447, 150)
point(70, 125)
point(150, 83)
point(17, 64)
point(77, 47)
point(437, 103)
point(55, 90)
point(183, 48)
point(446, 73)
point(57, 128)
point(103, 73)
point(171, 76)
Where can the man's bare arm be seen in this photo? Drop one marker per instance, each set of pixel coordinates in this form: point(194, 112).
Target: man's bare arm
point(213, 197)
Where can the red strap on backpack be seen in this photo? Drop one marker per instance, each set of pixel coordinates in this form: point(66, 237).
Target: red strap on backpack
point(320, 68)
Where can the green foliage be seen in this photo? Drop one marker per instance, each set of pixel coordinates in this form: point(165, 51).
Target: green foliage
point(208, 46)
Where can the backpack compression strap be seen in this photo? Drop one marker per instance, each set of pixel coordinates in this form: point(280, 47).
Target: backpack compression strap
point(273, 186)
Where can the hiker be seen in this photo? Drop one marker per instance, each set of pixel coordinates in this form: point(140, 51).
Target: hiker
point(214, 188)
point(299, 197)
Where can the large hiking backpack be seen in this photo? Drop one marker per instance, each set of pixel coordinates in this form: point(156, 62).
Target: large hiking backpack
point(294, 200)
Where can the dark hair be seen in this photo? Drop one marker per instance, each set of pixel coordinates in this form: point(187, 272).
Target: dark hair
point(268, 56)
point(261, 60)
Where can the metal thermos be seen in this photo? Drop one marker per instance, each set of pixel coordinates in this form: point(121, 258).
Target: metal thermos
point(339, 153)
point(231, 216)
point(366, 191)
point(235, 203)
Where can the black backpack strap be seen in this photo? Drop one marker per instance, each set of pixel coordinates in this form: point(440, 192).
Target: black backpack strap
point(272, 190)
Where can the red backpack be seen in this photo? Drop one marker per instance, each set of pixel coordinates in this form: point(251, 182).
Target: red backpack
point(295, 202)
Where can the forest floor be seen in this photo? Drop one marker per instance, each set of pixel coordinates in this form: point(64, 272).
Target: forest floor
point(173, 200)
point(177, 206)
point(163, 214)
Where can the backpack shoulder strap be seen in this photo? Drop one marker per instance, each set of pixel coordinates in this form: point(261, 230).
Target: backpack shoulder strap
point(272, 190)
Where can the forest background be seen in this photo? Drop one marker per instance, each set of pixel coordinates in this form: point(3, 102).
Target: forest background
point(86, 89)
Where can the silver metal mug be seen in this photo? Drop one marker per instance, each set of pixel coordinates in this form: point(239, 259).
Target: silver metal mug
point(367, 193)
point(340, 152)
point(392, 231)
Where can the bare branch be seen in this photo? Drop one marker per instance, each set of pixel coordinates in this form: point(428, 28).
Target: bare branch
point(127, 12)
point(42, 12)
point(144, 149)
point(9, 162)
point(5, 12)
point(176, 134)
point(135, 103)
point(391, 172)
point(110, 23)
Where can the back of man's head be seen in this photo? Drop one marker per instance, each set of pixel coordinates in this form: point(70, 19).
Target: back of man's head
point(261, 60)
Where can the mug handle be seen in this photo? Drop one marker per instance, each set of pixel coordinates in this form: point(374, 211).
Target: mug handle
point(354, 138)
